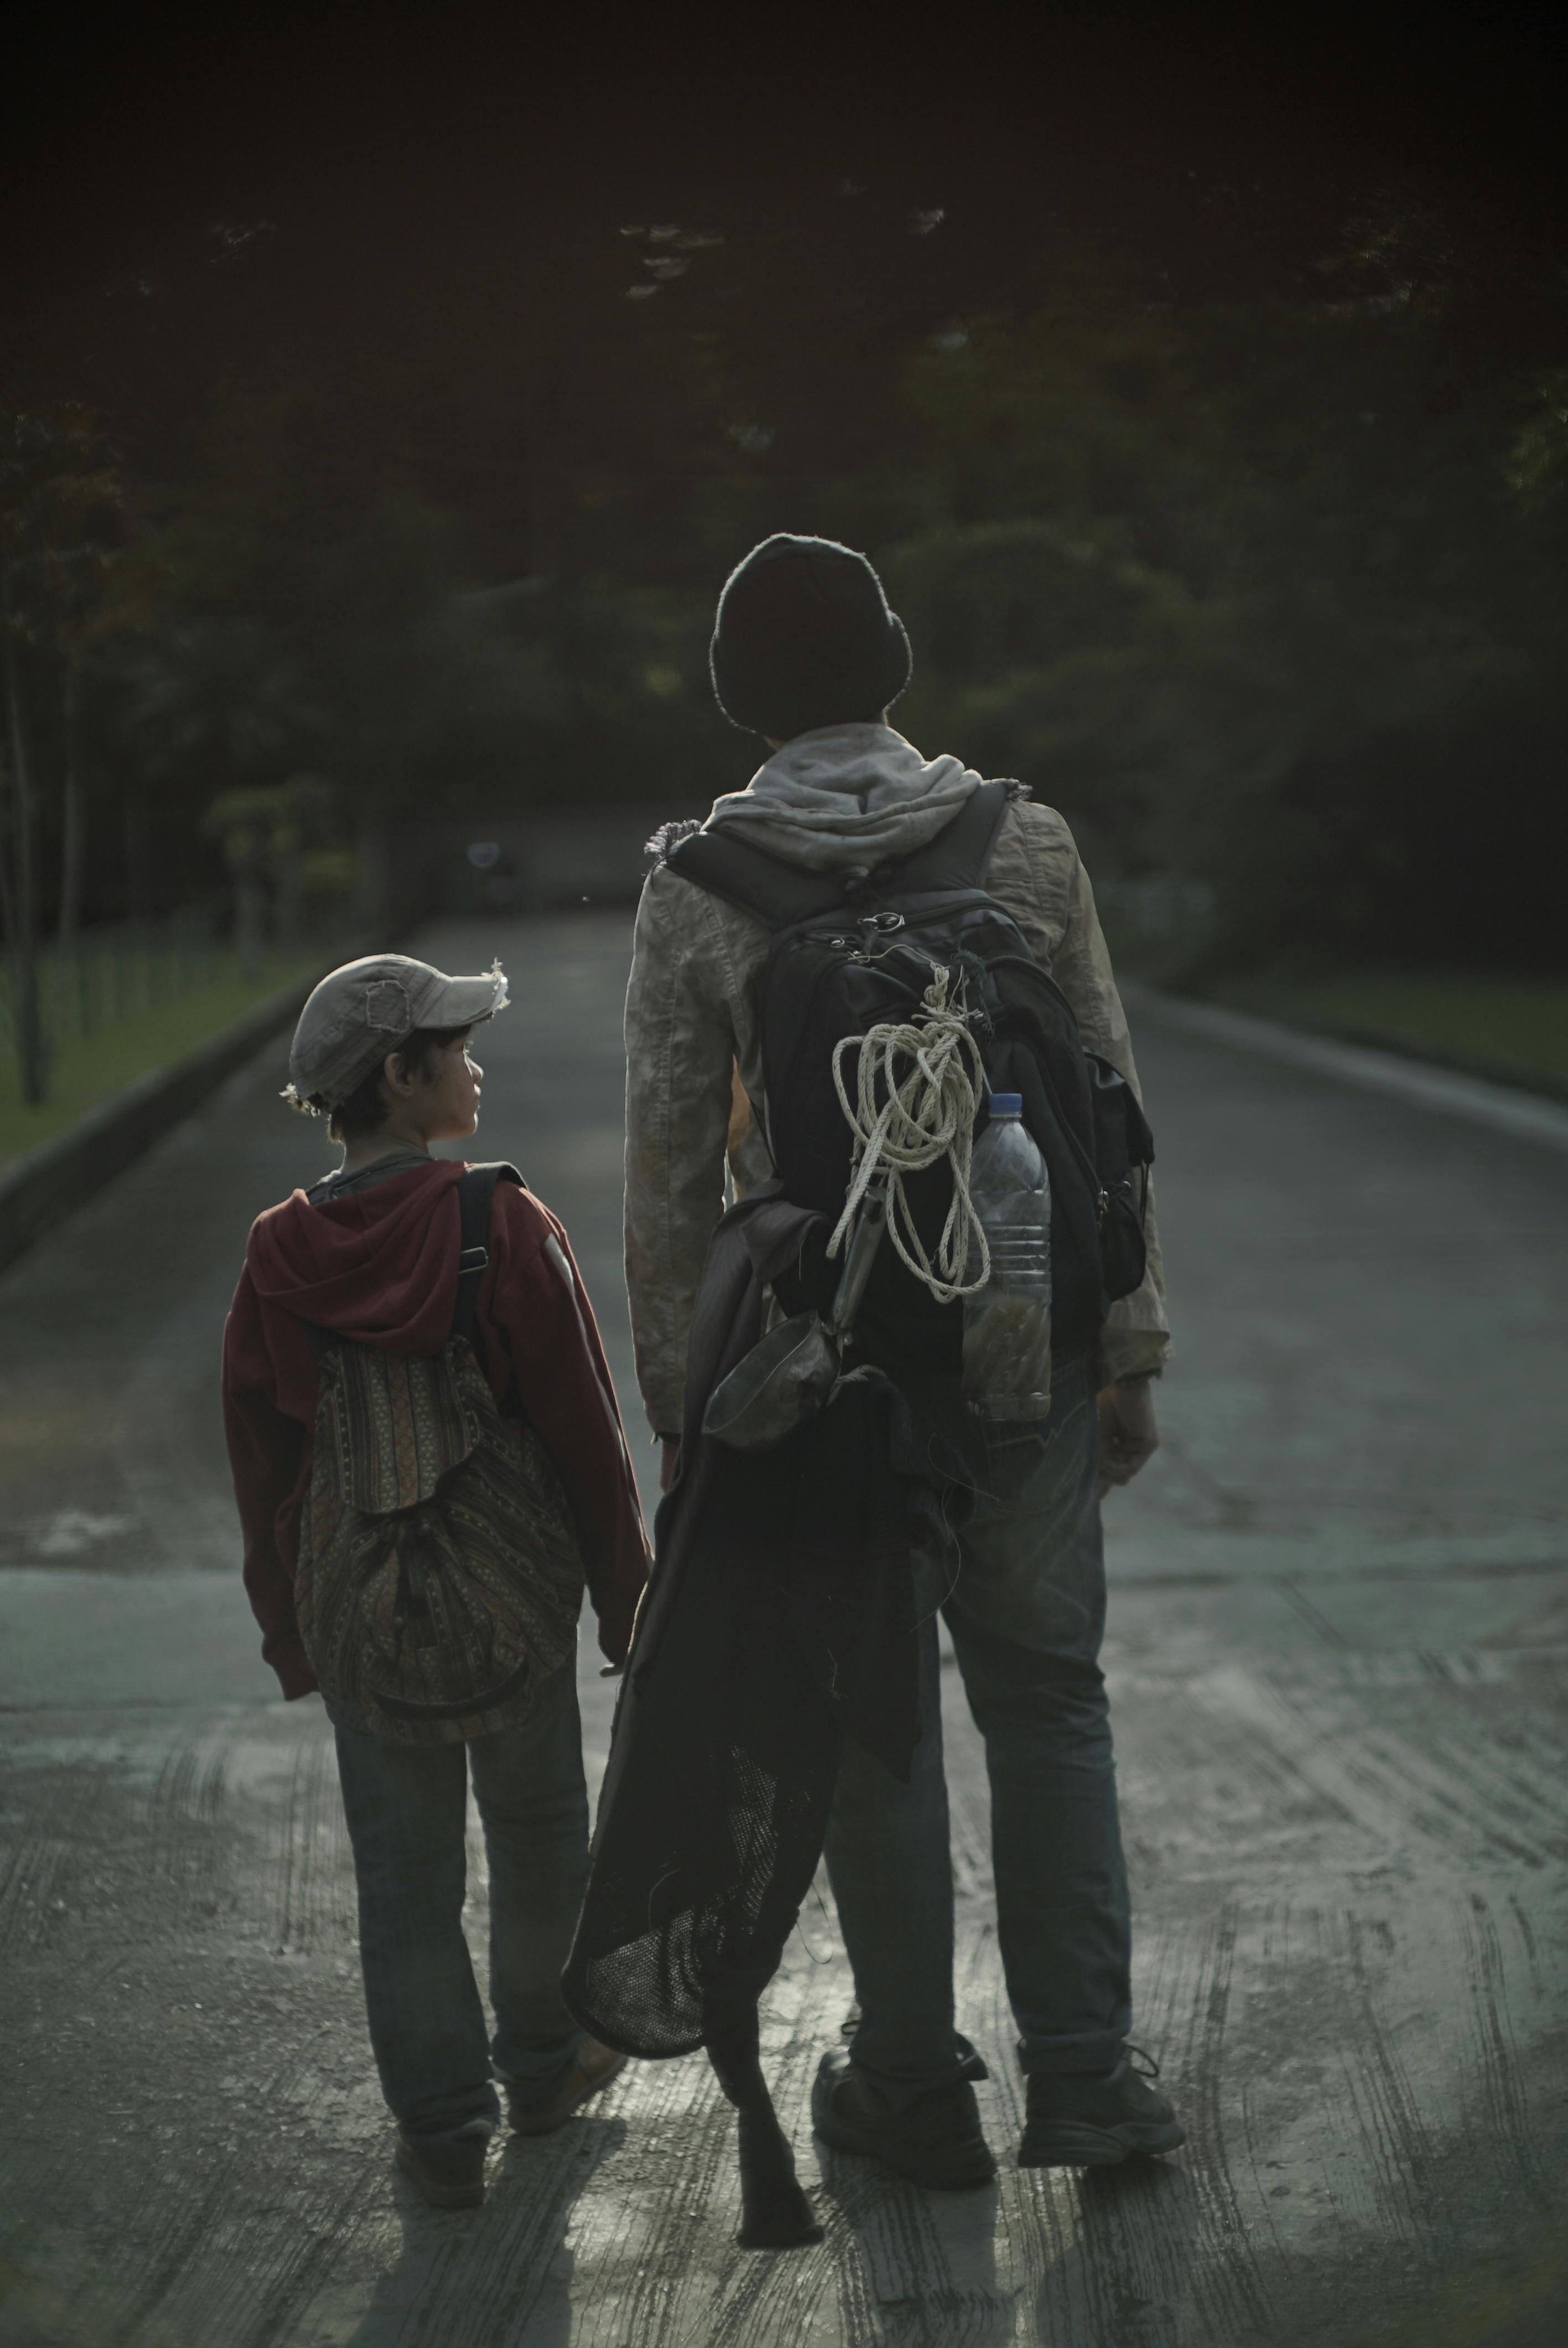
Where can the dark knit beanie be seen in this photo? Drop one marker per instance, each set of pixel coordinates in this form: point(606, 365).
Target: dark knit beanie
point(804, 638)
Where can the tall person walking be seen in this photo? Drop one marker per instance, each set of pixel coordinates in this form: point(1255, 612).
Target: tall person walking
point(806, 654)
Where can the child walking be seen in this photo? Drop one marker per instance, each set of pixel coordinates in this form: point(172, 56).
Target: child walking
point(429, 1461)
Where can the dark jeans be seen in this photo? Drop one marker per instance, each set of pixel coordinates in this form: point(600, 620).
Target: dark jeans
point(1022, 1589)
point(407, 1814)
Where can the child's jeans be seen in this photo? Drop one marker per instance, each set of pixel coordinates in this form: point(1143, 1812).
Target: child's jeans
point(406, 1810)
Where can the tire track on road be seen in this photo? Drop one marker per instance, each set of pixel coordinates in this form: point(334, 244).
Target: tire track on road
point(1502, 2096)
point(177, 2232)
point(316, 1906)
point(1382, 2105)
point(1231, 2281)
point(184, 1820)
point(38, 1873)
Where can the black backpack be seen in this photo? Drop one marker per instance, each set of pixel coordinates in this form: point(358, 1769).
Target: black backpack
point(853, 948)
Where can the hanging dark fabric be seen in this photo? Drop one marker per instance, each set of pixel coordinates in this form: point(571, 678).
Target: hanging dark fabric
point(779, 1620)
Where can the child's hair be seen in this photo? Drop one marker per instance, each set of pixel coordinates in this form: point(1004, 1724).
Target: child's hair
point(365, 1107)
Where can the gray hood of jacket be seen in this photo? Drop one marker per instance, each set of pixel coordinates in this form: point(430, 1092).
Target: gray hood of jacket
point(846, 795)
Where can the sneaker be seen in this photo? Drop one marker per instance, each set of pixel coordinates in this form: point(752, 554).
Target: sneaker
point(449, 2174)
point(936, 2141)
point(593, 2066)
point(1088, 2120)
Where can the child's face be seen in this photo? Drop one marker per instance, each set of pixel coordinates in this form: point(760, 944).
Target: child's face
point(450, 1109)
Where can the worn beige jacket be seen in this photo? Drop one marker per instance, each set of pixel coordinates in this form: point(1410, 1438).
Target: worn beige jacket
point(695, 1096)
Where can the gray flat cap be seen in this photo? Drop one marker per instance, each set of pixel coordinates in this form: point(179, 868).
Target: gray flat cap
point(364, 1010)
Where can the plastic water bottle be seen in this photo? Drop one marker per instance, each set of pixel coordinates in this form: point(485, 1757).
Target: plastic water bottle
point(1007, 1323)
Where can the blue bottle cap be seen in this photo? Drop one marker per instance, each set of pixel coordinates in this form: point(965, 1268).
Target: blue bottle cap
point(1005, 1104)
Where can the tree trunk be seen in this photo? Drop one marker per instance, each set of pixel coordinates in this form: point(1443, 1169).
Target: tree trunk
point(137, 861)
point(73, 814)
point(289, 894)
point(374, 891)
point(22, 909)
point(251, 923)
point(7, 892)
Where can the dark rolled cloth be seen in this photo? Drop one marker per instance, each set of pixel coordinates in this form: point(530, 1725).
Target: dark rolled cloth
point(779, 1618)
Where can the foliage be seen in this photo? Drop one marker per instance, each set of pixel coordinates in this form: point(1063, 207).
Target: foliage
point(60, 509)
point(1239, 534)
point(151, 1000)
point(1280, 623)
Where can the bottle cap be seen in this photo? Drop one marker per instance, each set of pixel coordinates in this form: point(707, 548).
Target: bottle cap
point(1005, 1104)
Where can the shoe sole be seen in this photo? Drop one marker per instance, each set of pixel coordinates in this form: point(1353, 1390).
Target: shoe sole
point(976, 2167)
point(440, 2197)
point(1073, 2144)
point(546, 2123)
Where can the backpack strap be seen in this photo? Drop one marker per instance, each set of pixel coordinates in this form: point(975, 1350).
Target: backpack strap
point(475, 1194)
point(959, 855)
point(781, 894)
point(778, 893)
point(476, 1191)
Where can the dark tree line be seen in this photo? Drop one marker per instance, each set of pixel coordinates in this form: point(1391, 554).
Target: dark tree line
point(1227, 506)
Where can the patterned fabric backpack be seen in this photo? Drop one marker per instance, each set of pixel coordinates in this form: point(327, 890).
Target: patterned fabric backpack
point(440, 1578)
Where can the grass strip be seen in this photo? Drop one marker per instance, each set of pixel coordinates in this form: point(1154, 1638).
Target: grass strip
point(89, 1069)
point(1514, 1030)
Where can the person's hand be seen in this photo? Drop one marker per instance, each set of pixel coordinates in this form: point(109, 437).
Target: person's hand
point(619, 1670)
point(668, 1454)
point(1128, 1435)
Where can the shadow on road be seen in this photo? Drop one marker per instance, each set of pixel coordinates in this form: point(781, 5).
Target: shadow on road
point(913, 2267)
point(504, 2271)
point(1102, 2255)
point(1126, 2274)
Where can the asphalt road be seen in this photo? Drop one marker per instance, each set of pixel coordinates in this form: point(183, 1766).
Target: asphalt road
point(1339, 1656)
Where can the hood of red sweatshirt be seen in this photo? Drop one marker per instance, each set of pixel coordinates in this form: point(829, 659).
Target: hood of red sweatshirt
point(380, 1266)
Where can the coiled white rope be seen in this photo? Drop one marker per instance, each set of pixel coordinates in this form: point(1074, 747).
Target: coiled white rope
point(918, 1087)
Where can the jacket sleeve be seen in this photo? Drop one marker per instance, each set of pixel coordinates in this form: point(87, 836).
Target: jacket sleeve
point(679, 1064)
point(1038, 874)
point(265, 1452)
point(538, 1303)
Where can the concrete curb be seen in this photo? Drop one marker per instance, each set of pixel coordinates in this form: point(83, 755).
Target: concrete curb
point(1528, 1116)
point(45, 1185)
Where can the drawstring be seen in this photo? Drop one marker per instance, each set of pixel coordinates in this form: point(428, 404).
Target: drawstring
point(918, 1089)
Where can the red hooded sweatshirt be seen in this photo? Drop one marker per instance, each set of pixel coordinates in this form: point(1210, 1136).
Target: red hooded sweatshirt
point(381, 1265)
